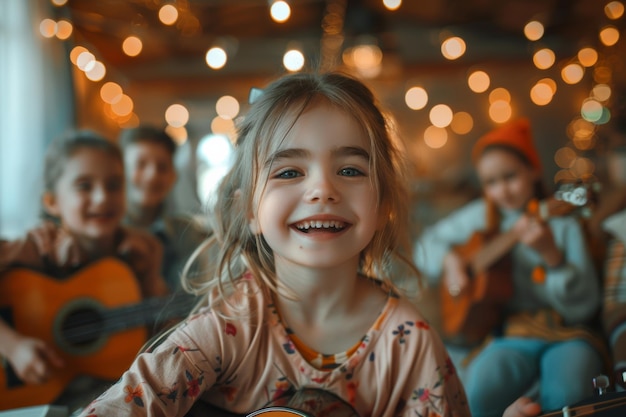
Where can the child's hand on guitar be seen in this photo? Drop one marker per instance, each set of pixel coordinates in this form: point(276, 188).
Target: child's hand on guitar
point(144, 253)
point(56, 244)
point(455, 277)
point(522, 407)
point(535, 233)
point(33, 360)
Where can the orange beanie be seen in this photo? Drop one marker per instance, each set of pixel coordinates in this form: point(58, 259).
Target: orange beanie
point(515, 134)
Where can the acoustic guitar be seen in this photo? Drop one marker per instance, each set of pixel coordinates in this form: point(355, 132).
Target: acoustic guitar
point(305, 402)
point(470, 315)
point(96, 320)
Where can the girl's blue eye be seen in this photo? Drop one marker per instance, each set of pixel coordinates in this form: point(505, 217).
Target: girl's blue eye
point(350, 172)
point(288, 173)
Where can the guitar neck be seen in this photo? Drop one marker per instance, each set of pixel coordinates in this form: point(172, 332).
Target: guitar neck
point(151, 311)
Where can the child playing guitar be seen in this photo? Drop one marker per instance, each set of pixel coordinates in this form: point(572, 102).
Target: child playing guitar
point(84, 193)
point(554, 290)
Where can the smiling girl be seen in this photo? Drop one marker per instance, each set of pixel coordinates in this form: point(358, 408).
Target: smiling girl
point(84, 193)
point(307, 223)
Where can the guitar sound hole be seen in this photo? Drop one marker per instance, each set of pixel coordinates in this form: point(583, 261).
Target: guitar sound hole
point(82, 327)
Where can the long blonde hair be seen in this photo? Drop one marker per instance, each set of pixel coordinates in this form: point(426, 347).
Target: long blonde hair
point(266, 124)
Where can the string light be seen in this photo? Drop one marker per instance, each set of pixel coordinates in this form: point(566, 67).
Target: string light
point(435, 137)
point(216, 57)
point(416, 98)
point(168, 14)
point(478, 81)
point(280, 11)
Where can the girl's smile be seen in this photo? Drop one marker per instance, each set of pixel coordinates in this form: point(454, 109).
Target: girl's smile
point(316, 204)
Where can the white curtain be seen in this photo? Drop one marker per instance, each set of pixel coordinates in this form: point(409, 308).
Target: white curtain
point(36, 104)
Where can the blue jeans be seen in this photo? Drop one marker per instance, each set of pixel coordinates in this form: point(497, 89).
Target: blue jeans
point(508, 367)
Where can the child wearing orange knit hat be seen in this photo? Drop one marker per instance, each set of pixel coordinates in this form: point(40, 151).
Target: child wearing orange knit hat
point(556, 291)
point(515, 134)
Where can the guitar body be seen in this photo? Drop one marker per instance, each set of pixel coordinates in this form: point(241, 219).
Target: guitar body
point(468, 317)
point(65, 314)
point(305, 402)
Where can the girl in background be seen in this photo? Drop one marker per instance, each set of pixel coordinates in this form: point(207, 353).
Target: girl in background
point(556, 292)
point(307, 224)
point(84, 192)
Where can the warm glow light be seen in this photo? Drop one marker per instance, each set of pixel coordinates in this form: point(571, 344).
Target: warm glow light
point(392, 4)
point(280, 11)
point(435, 137)
point(588, 57)
point(544, 58)
point(132, 46)
point(59, 2)
point(227, 107)
point(533, 30)
point(499, 94)
point(602, 75)
point(609, 35)
point(64, 29)
point(168, 14)
point(179, 134)
point(580, 128)
point(601, 92)
point(500, 111)
point(453, 48)
point(572, 73)
point(614, 10)
point(177, 115)
point(366, 58)
point(123, 107)
point(582, 167)
point(84, 60)
point(75, 52)
point(462, 123)
point(564, 157)
point(478, 81)
point(216, 58)
point(48, 28)
point(416, 98)
point(111, 92)
point(541, 93)
point(293, 60)
point(96, 72)
point(440, 115)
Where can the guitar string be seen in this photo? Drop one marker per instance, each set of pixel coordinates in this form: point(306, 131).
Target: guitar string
point(590, 409)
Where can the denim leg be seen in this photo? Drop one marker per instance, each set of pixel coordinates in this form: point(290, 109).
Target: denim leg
point(567, 369)
point(501, 373)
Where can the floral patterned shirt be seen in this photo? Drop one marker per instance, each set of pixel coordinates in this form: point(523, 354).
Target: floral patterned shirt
point(240, 365)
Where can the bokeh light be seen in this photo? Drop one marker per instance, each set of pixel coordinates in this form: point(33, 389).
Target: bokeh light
point(168, 14)
point(132, 46)
point(280, 11)
point(177, 115)
point(440, 115)
point(435, 137)
point(416, 98)
point(533, 30)
point(544, 58)
point(478, 81)
point(462, 123)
